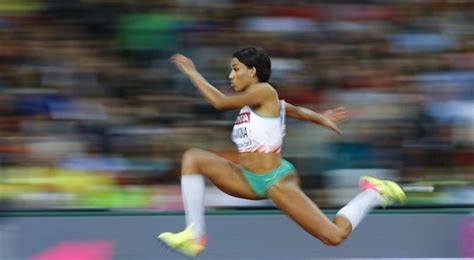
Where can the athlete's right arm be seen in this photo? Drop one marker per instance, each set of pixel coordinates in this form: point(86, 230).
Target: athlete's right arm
point(219, 100)
point(328, 118)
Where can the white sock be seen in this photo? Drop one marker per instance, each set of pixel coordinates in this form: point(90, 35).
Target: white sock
point(192, 190)
point(359, 206)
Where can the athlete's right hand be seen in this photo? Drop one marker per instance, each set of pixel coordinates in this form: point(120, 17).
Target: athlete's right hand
point(183, 63)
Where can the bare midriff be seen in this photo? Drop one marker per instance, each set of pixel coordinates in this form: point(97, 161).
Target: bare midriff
point(260, 163)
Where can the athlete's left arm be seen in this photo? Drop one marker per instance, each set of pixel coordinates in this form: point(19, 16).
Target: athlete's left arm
point(328, 118)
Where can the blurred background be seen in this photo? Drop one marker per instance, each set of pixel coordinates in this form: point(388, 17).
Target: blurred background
point(94, 116)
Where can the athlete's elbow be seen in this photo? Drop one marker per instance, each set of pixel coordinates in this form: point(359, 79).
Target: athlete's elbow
point(219, 105)
point(215, 100)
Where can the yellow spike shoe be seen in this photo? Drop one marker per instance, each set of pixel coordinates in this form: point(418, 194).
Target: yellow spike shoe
point(390, 191)
point(183, 242)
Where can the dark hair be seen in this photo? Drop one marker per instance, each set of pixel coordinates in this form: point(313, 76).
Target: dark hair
point(258, 58)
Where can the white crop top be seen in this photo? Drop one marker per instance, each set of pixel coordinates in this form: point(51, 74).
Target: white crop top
point(255, 133)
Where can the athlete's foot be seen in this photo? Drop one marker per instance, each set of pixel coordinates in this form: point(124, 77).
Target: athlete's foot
point(183, 242)
point(390, 191)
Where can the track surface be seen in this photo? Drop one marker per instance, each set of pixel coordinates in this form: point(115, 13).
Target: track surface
point(233, 235)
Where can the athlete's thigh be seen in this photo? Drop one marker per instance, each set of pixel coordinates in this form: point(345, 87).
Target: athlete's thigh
point(225, 175)
point(288, 196)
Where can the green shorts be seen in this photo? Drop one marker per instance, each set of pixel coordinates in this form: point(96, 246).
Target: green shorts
point(260, 183)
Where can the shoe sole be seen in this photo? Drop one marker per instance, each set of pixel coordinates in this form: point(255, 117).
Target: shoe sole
point(177, 250)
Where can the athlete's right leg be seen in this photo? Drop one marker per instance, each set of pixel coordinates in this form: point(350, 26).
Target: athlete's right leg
point(223, 173)
point(226, 175)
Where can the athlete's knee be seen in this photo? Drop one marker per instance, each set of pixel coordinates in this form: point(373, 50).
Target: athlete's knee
point(190, 161)
point(333, 239)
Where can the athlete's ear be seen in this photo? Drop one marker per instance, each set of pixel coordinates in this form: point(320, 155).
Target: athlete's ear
point(253, 72)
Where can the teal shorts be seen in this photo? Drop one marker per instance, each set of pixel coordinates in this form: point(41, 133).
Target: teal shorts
point(260, 183)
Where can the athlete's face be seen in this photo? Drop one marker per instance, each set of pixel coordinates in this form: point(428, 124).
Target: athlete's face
point(241, 77)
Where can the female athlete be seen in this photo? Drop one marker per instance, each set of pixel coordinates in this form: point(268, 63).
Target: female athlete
point(262, 173)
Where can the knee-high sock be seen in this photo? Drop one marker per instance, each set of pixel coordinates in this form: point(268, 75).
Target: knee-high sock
point(192, 190)
point(359, 206)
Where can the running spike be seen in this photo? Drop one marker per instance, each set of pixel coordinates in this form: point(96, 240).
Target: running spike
point(184, 242)
point(390, 191)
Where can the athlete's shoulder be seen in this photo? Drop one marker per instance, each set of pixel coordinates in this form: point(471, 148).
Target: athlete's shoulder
point(265, 87)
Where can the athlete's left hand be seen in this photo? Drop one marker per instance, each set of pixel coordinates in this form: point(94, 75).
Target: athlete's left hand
point(337, 114)
point(333, 116)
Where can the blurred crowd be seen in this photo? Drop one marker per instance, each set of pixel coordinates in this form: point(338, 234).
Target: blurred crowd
point(94, 115)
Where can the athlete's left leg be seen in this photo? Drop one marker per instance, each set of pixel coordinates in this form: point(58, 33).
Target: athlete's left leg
point(288, 196)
